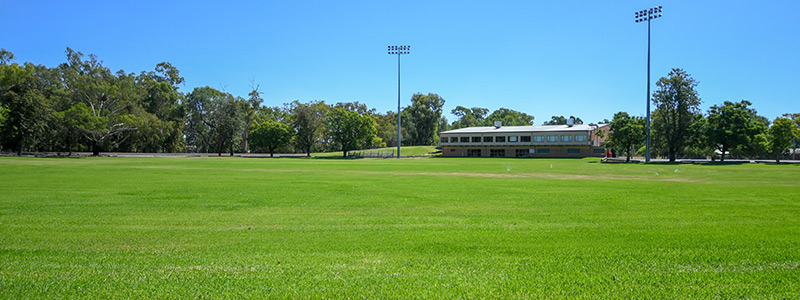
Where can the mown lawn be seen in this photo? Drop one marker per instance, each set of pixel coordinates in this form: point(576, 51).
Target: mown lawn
point(228, 228)
point(404, 151)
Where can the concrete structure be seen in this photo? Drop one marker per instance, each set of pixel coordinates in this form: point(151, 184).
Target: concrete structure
point(525, 141)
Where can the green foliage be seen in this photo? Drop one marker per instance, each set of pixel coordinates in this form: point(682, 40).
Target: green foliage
point(510, 117)
point(214, 120)
point(676, 103)
point(270, 135)
point(5, 56)
point(423, 117)
point(308, 121)
point(469, 117)
point(386, 127)
point(732, 125)
point(109, 98)
point(350, 130)
point(24, 108)
point(781, 135)
point(561, 120)
point(627, 133)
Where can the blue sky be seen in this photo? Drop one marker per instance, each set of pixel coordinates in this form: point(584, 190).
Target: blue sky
point(583, 58)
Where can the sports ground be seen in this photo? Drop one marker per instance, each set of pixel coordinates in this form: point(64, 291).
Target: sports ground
point(233, 227)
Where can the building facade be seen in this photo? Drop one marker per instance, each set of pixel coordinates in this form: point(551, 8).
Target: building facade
point(525, 141)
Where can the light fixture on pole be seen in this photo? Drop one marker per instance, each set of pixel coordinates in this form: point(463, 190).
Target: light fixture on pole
point(398, 50)
point(646, 16)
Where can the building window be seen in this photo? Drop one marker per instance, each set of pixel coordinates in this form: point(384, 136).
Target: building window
point(521, 152)
point(452, 150)
point(580, 138)
point(513, 139)
point(544, 151)
point(552, 138)
point(599, 151)
point(532, 151)
point(465, 139)
point(473, 152)
point(574, 151)
point(476, 139)
point(444, 140)
point(487, 139)
point(500, 139)
point(566, 138)
point(538, 138)
point(497, 152)
point(525, 139)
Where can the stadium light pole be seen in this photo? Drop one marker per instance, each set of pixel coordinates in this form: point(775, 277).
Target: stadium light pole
point(642, 16)
point(398, 50)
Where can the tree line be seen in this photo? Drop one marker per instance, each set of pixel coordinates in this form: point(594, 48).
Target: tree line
point(81, 105)
point(680, 129)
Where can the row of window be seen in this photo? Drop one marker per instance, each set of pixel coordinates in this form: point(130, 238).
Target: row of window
point(513, 139)
point(525, 152)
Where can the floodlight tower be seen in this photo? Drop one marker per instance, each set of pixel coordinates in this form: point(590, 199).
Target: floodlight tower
point(642, 16)
point(399, 50)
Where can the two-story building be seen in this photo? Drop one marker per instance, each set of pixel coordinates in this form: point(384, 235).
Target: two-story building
point(526, 141)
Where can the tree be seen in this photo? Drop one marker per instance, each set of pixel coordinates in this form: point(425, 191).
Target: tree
point(729, 125)
point(350, 130)
point(270, 135)
point(627, 133)
point(423, 118)
point(5, 56)
point(796, 118)
point(676, 103)
point(386, 127)
point(561, 120)
point(250, 109)
point(160, 113)
point(308, 120)
point(214, 119)
point(781, 134)
point(469, 117)
point(510, 117)
point(23, 107)
point(108, 98)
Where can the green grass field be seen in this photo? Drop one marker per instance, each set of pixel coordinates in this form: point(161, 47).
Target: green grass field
point(228, 228)
point(405, 151)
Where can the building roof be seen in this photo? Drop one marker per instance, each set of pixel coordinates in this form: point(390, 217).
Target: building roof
point(508, 129)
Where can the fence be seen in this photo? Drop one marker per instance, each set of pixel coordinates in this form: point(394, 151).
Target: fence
point(370, 154)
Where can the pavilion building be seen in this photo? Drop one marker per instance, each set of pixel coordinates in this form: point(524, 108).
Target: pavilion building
point(526, 141)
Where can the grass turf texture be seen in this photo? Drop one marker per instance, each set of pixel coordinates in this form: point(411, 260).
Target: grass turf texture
point(410, 228)
point(404, 151)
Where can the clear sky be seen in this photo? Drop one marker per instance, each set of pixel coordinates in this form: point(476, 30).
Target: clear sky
point(583, 58)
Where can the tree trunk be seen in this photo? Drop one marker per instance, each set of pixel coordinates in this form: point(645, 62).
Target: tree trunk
point(271, 152)
point(344, 153)
point(96, 149)
point(244, 139)
point(628, 157)
point(671, 155)
point(722, 158)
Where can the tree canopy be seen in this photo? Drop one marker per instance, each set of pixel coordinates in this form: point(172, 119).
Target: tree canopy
point(628, 132)
point(676, 103)
point(350, 130)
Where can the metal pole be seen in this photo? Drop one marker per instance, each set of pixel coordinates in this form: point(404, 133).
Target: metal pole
point(647, 156)
point(399, 138)
point(641, 16)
